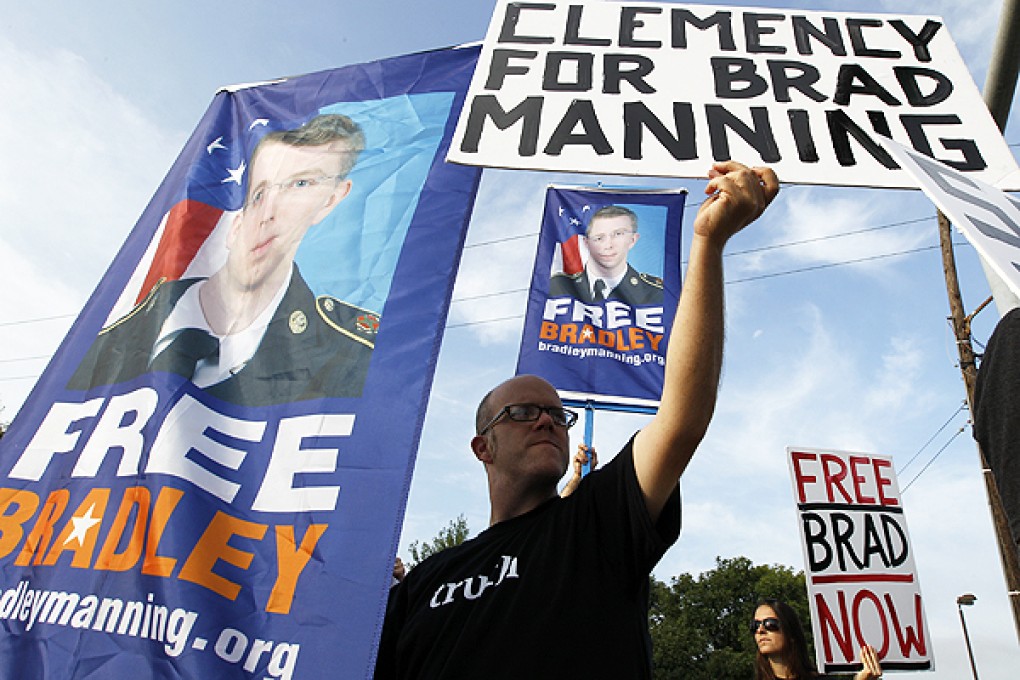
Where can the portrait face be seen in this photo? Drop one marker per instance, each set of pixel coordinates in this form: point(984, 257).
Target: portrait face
point(291, 188)
point(609, 240)
point(531, 450)
point(768, 641)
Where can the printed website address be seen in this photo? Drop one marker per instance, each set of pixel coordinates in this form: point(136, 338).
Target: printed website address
point(602, 352)
point(147, 620)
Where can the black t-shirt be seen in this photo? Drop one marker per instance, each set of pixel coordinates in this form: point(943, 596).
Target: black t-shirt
point(559, 591)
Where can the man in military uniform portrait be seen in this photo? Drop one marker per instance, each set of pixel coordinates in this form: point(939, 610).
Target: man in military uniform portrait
point(612, 232)
point(253, 333)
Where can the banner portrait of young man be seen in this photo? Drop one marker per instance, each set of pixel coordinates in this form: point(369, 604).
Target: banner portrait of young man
point(208, 479)
point(603, 292)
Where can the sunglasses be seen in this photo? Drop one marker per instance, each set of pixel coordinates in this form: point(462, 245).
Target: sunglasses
point(771, 625)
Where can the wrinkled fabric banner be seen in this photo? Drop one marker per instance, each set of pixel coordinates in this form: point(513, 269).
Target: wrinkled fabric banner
point(208, 480)
point(603, 293)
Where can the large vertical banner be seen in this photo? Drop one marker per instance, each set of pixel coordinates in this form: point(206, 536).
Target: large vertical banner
point(208, 480)
point(603, 293)
point(861, 580)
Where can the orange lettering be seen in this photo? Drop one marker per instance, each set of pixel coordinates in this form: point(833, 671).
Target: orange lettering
point(81, 531)
point(109, 558)
point(213, 546)
point(39, 538)
point(548, 331)
point(636, 336)
point(11, 529)
point(290, 563)
point(156, 565)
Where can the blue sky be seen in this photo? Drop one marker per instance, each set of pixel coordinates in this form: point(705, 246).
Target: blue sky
point(833, 341)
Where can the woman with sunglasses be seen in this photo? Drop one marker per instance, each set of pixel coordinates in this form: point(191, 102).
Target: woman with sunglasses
point(782, 647)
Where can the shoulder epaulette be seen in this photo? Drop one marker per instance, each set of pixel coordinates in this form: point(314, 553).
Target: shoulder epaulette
point(144, 304)
point(352, 321)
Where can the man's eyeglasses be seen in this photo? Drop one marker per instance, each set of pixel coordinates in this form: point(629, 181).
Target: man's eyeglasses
point(771, 624)
point(524, 413)
point(292, 188)
point(614, 235)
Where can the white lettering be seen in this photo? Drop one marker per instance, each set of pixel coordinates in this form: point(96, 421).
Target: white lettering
point(52, 438)
point(110, 434)
point(185, 430)
point(278, 493)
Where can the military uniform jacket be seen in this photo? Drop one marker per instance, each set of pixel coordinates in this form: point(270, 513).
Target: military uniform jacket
point(635, 288)
point(311, 348)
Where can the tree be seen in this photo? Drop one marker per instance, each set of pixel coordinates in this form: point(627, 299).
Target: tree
point(699, 626)
point(454, 533)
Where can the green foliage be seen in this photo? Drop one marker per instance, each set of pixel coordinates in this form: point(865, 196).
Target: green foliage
point(454, 533)
point(699, 625)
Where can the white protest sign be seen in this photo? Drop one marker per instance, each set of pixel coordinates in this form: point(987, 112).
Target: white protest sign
point(662, 89)
point(987, 217)
point(861, 580)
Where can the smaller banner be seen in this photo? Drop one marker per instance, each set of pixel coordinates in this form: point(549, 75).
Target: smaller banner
point(987, 217)
point(861, 580)
point(603, 293)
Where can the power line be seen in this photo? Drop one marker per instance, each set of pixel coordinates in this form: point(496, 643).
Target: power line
point(41, 356)
point(790, 244)
point(928, 464)
point(477, 323)
point(962, 406)
point(482, 296)
point(38, 320)
point(830, 265)
point(744, 280)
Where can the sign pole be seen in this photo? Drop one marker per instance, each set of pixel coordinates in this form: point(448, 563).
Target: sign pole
point(589, 433)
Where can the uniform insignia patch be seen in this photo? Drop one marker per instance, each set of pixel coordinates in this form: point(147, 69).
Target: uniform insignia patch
point(367, 323)
point(298, 322)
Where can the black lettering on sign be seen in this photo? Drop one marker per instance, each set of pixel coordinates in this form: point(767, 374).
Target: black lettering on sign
point(487, 106)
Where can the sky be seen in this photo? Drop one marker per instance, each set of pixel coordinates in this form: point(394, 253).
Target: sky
point(836, 306)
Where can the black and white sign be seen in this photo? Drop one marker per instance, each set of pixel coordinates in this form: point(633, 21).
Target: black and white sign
point(661, 89)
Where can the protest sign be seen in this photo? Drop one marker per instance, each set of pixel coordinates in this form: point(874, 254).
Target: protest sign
point(987, 217)
point(859, 567)
point(665, 89)
point(208, 480)
point(603, 293)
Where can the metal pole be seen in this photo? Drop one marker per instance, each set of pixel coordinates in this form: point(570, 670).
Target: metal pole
point(1000, 84)
point(960, 601)
point(589, 433)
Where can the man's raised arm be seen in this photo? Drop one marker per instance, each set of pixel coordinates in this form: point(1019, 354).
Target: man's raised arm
point(737, 195)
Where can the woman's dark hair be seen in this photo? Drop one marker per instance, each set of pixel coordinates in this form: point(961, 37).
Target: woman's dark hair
point(795, 652)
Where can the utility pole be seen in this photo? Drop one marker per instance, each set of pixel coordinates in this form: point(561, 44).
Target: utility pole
point(1000, 86)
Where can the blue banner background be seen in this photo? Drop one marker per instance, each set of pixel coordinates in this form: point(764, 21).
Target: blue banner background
point(200, 545)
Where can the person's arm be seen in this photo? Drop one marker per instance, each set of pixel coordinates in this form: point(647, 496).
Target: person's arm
point(737, 195)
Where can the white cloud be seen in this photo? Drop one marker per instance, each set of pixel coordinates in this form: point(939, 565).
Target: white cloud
point(79, 164)
point(820, 226)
